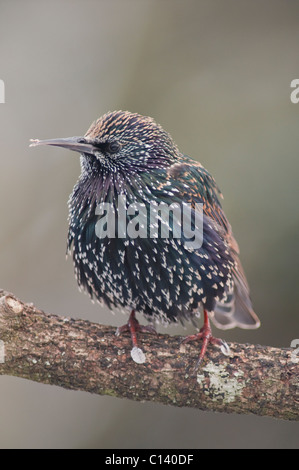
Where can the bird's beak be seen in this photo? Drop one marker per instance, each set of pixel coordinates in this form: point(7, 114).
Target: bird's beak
point(78, 144)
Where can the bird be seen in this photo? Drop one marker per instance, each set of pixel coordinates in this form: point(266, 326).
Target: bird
point(130, 169)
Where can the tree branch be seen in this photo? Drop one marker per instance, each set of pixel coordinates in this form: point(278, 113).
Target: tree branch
point(80, 355)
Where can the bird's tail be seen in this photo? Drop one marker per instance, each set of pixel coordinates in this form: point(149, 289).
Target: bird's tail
point(236, 309)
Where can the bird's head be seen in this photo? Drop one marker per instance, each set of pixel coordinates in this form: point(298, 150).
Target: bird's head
point(121, 141)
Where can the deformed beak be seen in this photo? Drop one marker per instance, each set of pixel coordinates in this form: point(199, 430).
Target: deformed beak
point(78, 144)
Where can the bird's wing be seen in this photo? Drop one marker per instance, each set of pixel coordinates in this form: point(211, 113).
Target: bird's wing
point(196, 184)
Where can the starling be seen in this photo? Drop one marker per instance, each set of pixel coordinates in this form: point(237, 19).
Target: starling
point(130, 165)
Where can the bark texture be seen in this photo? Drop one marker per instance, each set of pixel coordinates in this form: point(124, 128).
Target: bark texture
point(80, 355)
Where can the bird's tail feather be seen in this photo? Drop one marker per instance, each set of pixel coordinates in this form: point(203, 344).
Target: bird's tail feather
point(236, 309)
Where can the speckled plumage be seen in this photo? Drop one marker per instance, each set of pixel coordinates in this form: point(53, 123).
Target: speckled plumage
point(130, 154)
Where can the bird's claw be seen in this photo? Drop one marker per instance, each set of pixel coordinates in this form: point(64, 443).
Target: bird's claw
point(205, 335)
point(133, 326)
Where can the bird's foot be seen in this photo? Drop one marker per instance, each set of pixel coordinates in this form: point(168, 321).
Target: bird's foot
point(207, 338)
point(133, 326)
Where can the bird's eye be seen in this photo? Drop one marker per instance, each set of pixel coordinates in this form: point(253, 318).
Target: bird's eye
point(113, 147)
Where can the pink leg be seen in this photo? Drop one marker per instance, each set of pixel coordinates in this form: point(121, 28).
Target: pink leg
point(133, 326)
point(206, 335)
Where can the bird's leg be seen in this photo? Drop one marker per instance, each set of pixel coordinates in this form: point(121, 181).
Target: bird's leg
point(133, 326)
point(206, 335)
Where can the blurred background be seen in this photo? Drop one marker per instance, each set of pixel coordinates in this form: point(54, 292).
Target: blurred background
point(217, 76)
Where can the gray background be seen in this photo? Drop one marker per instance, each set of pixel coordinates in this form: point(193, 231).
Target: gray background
point(216, 74)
